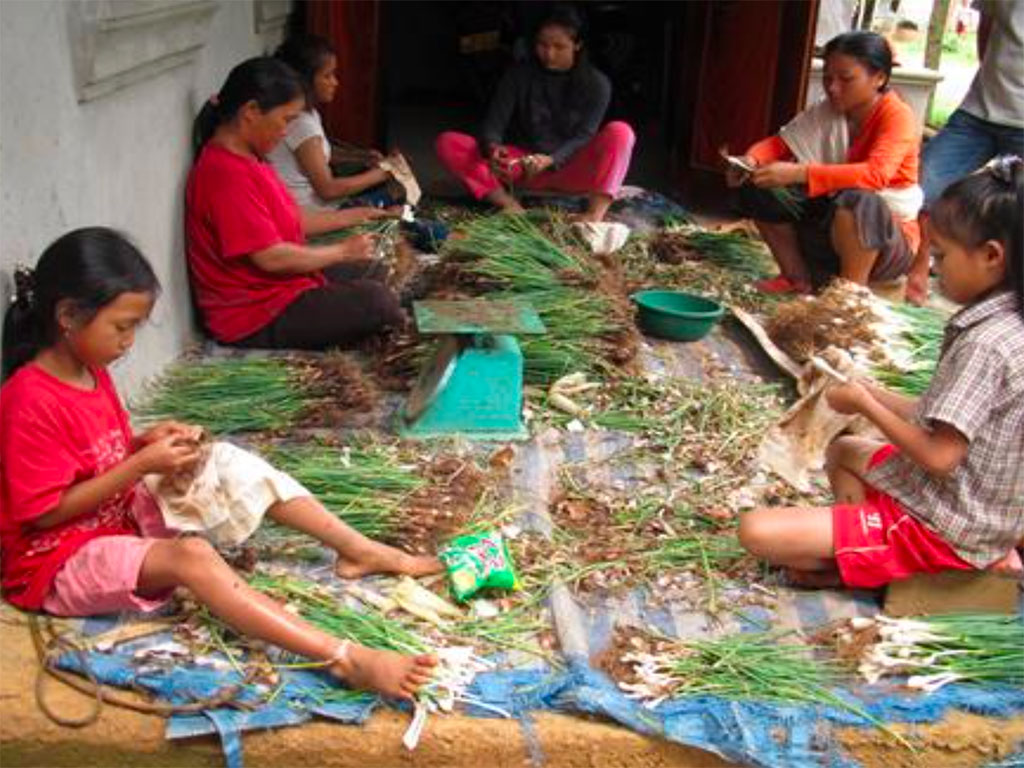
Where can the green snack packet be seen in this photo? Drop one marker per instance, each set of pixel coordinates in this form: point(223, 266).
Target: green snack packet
point(477, 561)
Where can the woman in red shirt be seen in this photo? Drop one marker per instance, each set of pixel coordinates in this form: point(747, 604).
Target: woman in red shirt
point(257, 283)
point(850, 163)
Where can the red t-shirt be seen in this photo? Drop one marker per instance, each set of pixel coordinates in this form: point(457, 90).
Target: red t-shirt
point(236, 206)
point(53, 435)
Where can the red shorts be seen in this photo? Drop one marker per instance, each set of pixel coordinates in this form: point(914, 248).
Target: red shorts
point(877, 542)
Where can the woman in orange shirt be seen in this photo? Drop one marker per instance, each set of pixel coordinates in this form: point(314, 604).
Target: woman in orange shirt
point(849, 163)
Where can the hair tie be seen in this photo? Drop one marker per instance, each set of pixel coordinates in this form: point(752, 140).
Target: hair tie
point(214, 100)
point(1002, 167)
point(24, 286)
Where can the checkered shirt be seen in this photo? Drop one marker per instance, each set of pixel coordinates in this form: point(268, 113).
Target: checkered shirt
point(978, 389)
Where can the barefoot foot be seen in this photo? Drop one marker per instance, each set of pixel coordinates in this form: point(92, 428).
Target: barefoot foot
point(385, 672)
point(374, 557)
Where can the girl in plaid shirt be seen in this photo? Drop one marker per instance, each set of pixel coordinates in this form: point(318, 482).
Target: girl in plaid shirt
point(947, 490)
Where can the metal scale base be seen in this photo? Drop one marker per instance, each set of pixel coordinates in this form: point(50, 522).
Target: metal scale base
point(473, 384)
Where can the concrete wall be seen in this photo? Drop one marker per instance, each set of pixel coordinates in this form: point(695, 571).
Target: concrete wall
point(120, 158)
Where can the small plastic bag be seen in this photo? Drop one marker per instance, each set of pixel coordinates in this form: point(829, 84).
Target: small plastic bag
point(478, 561)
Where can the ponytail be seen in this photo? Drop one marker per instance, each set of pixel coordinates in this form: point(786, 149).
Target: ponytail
point(21, 334)
point(204, 126)
point(88, 267)
point(264, 80)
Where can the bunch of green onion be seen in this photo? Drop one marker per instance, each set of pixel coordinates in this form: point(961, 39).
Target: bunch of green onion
point(938, 650)
point(384, 228)
point(747, 667)
point(228, 396)
point(922, 333)
point(514, 251)
point(730, 250)
point(515, 256)
point(364, 487)
point(744, 667)
point(328, 614)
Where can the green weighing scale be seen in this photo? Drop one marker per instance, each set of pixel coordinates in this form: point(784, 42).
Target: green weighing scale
point(473, 384)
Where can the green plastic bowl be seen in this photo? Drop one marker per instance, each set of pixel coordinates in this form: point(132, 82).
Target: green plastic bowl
point(676, 315)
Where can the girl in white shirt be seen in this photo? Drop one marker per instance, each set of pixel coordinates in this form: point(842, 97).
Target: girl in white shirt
point(303, 158)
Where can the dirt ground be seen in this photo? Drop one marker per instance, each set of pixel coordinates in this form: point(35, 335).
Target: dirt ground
point(120, 737)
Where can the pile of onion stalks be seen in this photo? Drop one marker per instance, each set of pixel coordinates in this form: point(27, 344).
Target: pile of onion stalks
point(922, 334)
point(327, 613)
point(364, 487)
point(720, 419)
point(513, 256)
point(743, 667)
point(229, 396)
point(938, 650)
point(734, 251)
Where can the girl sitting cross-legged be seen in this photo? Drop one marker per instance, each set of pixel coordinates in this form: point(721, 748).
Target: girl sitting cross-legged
point(79, 531)
point(947, 490)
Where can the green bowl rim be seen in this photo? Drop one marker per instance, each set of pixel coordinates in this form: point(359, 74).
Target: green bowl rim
point(682, 314)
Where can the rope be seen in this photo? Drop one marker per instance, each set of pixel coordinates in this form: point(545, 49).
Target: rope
point(49, 649)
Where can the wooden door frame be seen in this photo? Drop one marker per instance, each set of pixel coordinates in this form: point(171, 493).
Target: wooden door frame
point(798, 21)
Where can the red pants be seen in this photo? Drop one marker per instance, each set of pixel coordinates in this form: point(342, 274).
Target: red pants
point(599, 167)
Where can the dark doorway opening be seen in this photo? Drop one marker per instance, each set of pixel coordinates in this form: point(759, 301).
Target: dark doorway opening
point(688, 76)
point(440, 62)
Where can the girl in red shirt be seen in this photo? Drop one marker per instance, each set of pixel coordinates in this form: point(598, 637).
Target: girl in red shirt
point(256, 281)
point(79, 532)
point(851, 162)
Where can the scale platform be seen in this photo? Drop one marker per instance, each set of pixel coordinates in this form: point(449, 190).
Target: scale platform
point(473, 383)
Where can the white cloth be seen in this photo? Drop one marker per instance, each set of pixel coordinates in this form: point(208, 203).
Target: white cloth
point(602, 237)
point(227, 498)
point(820, 134)
point(997, 91)
point(400, 171)
point(306, 126)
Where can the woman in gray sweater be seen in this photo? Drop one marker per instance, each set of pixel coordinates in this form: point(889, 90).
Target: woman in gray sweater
point(543, 128)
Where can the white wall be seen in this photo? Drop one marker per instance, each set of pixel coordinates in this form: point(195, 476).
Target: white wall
point(118, 160)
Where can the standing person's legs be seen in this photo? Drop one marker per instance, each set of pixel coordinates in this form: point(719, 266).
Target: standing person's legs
point(1009, 140)
point(598, 169)
point(964, 144)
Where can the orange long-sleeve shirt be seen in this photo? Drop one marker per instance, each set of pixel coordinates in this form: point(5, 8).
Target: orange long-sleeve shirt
point(884, 154)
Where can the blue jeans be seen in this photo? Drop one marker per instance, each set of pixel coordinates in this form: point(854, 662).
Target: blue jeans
point(964, 145)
